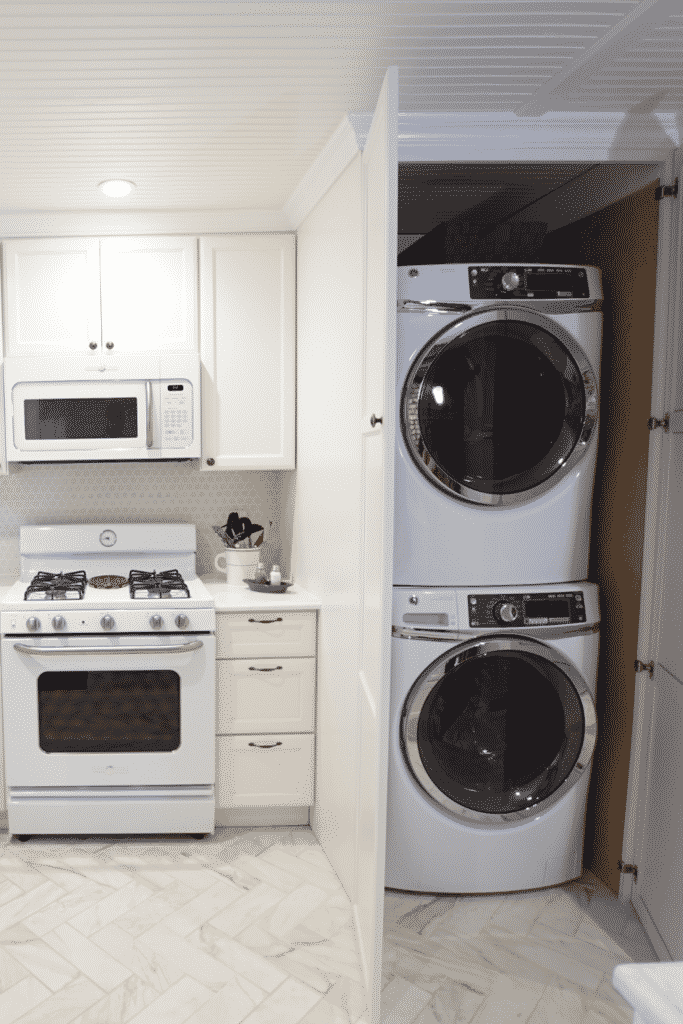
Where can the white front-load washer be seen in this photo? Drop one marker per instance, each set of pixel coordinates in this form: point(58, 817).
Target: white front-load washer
point(497, 406)
point(492, 733)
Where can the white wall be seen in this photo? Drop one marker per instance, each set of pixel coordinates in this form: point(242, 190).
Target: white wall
point(325, 492)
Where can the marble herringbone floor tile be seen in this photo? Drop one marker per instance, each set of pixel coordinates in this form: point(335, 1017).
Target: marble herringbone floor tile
point(249, 926)
point(543, 957)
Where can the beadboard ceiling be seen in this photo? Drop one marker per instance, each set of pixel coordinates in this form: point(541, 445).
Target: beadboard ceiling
point(214, 106)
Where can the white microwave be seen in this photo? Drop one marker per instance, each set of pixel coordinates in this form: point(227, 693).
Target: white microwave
point(144, 408)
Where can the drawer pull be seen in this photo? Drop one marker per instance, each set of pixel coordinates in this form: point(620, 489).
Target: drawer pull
point(266, 622)
point(276, 668)
point(266, 746)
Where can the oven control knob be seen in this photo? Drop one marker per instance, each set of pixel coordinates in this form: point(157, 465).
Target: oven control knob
point(59, 622)
point(182, 621)
point(510, 281)
point(107, 622)
point(506, 612)
point(156, 622)
point(33, 624)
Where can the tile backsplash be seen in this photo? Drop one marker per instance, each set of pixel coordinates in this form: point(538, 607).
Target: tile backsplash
point(139, 492)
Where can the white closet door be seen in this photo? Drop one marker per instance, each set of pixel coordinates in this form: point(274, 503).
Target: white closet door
point(247, 319)
point(149, 294)
point(52, 295)
point(380, 199)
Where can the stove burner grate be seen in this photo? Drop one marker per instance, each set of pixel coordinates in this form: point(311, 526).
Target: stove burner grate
point(157, 584)
point(60, 586)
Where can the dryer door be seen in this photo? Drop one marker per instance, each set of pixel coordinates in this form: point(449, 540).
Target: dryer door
point(498, 729)
point(499, 406)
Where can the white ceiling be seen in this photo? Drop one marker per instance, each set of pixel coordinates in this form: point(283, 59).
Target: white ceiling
point(225, 105)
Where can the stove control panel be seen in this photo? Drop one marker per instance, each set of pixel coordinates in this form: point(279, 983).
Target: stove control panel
point(72, 621)
point(519, 282)
point(503, 610)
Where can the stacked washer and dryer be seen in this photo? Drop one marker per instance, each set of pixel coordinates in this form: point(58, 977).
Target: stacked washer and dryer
point(495, 631)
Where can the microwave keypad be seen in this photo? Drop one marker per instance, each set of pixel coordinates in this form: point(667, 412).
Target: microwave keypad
point(176, 413)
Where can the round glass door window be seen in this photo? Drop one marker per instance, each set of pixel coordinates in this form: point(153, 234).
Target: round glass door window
point(498, 406)
point(496, 728)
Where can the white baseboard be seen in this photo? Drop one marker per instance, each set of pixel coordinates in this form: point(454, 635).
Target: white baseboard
point(263, 816)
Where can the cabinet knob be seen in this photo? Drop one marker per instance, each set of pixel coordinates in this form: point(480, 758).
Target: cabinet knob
point(93, 344)
point(110, 344)
point(211, 462)
point(374, 420)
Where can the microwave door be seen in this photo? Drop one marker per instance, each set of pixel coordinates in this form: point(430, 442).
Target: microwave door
point(80, 418)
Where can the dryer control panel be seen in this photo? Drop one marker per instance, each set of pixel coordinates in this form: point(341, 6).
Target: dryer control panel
point(519, 282)
point(526, 609)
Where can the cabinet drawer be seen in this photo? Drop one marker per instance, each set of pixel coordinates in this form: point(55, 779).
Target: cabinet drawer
point(265, 695)
point(265, 635)
point(264, 771)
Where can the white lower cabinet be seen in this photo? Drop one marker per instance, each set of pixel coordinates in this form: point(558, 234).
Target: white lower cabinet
point(265, 717)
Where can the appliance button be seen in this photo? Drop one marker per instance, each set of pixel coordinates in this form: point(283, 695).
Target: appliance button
point(156, 622)
point(107, 622)
point(59, 622)
point(33, 624)
point(182, 621)
point(413, 599)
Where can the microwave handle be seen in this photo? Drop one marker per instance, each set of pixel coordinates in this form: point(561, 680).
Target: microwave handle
point(150, 431)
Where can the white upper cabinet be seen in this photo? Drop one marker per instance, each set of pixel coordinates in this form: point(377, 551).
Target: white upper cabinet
point(149, 293)
point(247, 342)
point(52, 295)
point(84, 294)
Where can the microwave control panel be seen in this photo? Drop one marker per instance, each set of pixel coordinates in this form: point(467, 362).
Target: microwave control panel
point(176, 413)
point(526, 609)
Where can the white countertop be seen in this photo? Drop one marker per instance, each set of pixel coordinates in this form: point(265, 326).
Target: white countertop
point(655, 991)
point(241, 598)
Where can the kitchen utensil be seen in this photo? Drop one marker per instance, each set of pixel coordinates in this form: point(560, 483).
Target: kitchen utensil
point(268, 588)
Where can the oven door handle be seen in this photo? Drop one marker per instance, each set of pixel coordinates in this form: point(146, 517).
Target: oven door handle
point(193, 645)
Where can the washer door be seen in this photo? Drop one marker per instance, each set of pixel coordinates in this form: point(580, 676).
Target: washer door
point(498, 728)
point(499, 406)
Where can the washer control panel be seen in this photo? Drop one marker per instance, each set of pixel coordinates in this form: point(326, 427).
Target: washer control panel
point(519, 282)
point(526, 609)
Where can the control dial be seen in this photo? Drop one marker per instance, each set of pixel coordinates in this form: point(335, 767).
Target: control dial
point(510, 281)
point(506, 612)
point(107, 622)
point(182, 621)
point(59, 622)
point(156, 622)
point(33, 624)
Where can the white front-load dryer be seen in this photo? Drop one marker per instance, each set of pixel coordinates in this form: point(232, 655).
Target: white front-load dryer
point(497, 406)
point(492, 733)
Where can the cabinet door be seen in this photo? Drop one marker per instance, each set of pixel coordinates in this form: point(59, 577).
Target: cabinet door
point(265, 695)
point(52, 291)
point(247, 345)
point(149, 294)
point(273, 770)
point(265, 634)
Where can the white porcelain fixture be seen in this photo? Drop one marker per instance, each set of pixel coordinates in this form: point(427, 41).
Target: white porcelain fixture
point(497, 392)
point(492, 731)
point(655, 991)
point(129, 408)
point(109, 698)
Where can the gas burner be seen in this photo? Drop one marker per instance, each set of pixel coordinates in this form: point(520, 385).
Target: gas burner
point(157, 584)
point(60, 586)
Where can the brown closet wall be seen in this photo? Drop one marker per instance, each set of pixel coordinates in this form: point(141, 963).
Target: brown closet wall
point(622, 241)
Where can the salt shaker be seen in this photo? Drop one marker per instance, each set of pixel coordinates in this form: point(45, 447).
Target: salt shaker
point(275, 576)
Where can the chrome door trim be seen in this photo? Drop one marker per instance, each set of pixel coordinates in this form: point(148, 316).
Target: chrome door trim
point(535, 632)
point(556, 306)
point(193, 645)
point(412, 388)
point(432, 675)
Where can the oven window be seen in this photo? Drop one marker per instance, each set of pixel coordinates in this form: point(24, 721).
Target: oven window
point(103, 712)
point(67, 419)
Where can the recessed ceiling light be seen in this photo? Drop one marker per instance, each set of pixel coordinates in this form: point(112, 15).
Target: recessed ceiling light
point(116, 189)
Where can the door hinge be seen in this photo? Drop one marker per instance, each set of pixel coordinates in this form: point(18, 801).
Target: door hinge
point(653, 423)
point(641, 666)
point(628, 869)
point(667, 190)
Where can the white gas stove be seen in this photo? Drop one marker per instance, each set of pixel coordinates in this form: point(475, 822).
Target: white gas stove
point(108, 648)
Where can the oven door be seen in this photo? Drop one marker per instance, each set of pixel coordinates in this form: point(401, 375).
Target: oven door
point(117, 710)
point(72, 417)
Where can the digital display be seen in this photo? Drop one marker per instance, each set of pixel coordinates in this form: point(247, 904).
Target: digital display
point(544, 609)
point(555, 282)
